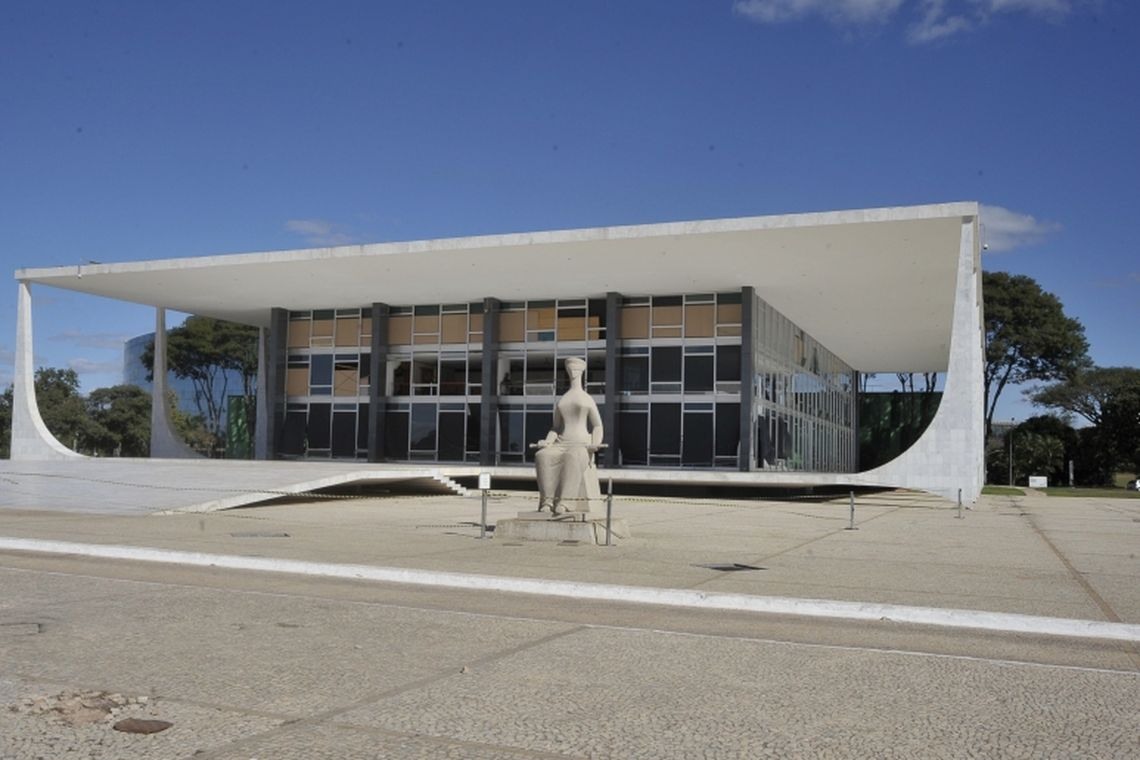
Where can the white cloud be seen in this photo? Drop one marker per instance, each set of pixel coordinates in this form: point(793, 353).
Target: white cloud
point(934, 19)
point(318, 231)
point(1004, 230)
point(836, 11)
point(936, 23)
point(90, 340)
point(1053, 9)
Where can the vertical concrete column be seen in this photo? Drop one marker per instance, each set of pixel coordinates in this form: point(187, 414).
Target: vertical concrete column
point(613, 378)
point(378, 382)
point(745, 457)
point(856, 397)
point(271, 358)
point(164, 441)
point(489, 398)
point(31, 440)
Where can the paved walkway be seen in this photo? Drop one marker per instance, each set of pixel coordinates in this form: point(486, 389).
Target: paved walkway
point(1059, 558)
point(255, 664)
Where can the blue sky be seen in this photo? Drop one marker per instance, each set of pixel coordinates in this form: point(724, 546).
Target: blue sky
point(134, 130)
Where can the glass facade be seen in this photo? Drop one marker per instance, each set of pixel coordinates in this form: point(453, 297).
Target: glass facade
point(326, 384)
point(805, 400)
point(679, 365)
point(535, 339)
point(680, 381)
point(434, 372)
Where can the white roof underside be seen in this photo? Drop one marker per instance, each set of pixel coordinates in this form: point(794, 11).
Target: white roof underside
point(875, 286)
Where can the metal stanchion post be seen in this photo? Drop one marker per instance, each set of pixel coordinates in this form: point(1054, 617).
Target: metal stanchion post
point(959, 503)
point(852, 502)
point(484, 487)
point(609, 511)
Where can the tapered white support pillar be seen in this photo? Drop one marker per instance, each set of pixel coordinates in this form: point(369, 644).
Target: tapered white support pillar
point(31, 440)
point(949, 457)
point(164, 442)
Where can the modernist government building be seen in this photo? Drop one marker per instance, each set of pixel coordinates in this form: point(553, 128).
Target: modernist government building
point(718, 351)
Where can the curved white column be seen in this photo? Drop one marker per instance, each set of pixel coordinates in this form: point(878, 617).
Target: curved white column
point(950, 454)
point(164, 441)
point(31, 440)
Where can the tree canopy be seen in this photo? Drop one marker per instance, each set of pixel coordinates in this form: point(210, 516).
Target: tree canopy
point(1028, 336)
point(1109, 399)
point(122, 414)
point(6, 423)
point(207, 351)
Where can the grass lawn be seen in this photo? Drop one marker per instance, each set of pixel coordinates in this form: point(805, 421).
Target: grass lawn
point(1108, 493)
point(1002, 491)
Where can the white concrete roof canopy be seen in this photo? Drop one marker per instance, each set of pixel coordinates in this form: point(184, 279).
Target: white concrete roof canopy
point(876, 286)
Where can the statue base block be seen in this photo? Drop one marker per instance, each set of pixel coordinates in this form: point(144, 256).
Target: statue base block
point(580, 527)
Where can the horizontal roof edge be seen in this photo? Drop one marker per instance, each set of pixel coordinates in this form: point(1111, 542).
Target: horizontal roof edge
point(586, 234)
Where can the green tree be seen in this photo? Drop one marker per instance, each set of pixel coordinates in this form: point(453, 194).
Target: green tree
point(6, 423)
point(1028, 337)
point(64, 411)
point(1055, 427)
point(1109, 399)
point(205, 350)
point(1034, 453)
point(122, 412)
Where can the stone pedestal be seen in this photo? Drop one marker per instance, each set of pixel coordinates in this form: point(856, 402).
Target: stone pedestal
point(581, 527)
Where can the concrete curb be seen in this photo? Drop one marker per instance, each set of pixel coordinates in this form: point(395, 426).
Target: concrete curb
point(772, 605)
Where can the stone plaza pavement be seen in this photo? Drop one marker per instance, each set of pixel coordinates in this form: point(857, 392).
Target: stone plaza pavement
point(249, 664)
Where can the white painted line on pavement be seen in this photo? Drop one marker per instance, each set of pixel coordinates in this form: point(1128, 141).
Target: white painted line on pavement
point(824, 608)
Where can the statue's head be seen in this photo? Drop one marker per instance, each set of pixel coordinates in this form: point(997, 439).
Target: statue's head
point(574, 364)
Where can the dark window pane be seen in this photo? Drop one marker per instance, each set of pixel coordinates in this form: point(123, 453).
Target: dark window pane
point(537, 426)
point(728, 297)
point(727, 363)
point(667, 300)
point(423, 427)
point(698, 374)
point(402, 378)
point(452, 378)
point(318, 429)
point(540, 371)
point(596, 373)
point(727, 430)
point(425, 370)
point(634, 439)
point(344, 434)
point(362, 423)
point(698, 448)
point(396, 436)
point(320, 369)
point(475, 374)
point(511, 431)
point(474, 425)
point(665, 429)
point(451, 438)
point(597, 310)
point(765, 442)
point(512, 384)
point(365, 368)
point(635, 374)
point(667, 365)
point(293, 434)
